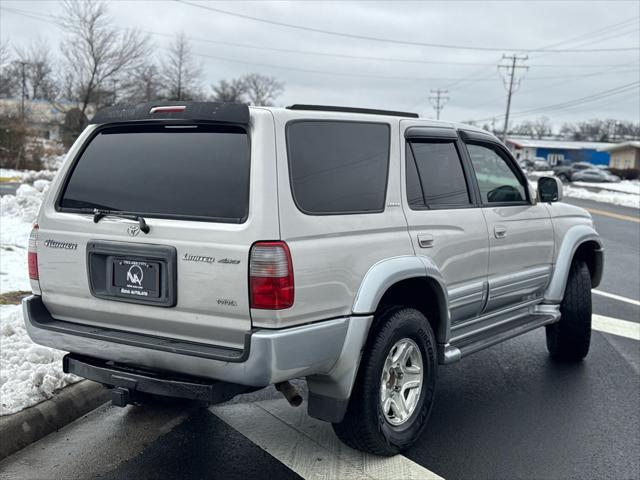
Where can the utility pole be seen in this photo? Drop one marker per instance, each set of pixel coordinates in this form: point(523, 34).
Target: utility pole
point(438, 99)
point(513, 83)
point(24, 90)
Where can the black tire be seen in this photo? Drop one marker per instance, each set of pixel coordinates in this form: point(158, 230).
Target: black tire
point(564, 178)
point(364, 426)
point(569, 339)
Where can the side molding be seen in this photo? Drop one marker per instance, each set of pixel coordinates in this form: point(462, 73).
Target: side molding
point(574, 237)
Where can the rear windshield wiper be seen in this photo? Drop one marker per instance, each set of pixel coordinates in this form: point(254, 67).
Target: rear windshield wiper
point(99, 214)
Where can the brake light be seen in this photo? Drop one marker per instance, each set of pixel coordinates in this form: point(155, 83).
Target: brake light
point(32, 258)
point(168, 109)
point(270, 276)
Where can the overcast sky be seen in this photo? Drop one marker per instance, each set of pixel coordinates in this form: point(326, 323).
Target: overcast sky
point(475, 86)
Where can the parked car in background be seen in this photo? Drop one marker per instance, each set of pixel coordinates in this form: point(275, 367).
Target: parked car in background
point(565, 172)
point(538, 164)
point(595, 175)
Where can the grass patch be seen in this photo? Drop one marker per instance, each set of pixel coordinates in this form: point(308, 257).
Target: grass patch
point(13, 298)
point(9, 179)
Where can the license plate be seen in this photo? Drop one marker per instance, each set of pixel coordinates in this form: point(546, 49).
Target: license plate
point(136, 278)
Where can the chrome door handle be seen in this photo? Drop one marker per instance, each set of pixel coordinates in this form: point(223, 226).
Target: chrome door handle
point(499, 231)
point(425, 240)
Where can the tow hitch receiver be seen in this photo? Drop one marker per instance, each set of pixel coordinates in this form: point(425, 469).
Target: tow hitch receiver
point(129, 384)
point(120, 397)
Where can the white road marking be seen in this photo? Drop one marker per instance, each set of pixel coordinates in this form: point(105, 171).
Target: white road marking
point(309, 447)
point(617, 297)
point(615, 326)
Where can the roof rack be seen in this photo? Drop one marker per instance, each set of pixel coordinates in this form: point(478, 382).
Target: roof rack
point(369, 111)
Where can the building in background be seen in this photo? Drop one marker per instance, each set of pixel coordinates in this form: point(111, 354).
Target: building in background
point(557, 152)
point(43, 119)
point(624, 156)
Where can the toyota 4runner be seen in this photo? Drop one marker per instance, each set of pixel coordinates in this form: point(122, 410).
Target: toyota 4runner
point(202, 250)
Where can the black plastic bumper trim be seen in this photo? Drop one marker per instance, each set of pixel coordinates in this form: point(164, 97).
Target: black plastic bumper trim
point(39, 317)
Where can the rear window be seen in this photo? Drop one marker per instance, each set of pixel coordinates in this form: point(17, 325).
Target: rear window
point(191, 172)
point(338, 167)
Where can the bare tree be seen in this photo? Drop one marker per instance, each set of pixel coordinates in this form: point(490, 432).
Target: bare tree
point(143, 84)
point(38, 70)
point(233, 91)
point(95, 51)
point(262, 89)
point(180, 72)
point(541, 127)
point(7, 73)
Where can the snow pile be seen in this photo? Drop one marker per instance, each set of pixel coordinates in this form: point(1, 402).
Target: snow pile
point(11, 173)
point(17, 214)
point(616, 198)
point(53, 162)
point(30, 373)
point(625, 186)
point(33, 176)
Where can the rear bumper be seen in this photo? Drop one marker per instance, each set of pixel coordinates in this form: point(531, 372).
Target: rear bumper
point(270, 356)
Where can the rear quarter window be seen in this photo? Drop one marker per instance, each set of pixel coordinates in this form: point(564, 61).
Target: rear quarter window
point(193, 172)
point(338, 167)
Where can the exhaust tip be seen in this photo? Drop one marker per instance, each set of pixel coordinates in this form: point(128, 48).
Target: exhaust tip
point(290, 393)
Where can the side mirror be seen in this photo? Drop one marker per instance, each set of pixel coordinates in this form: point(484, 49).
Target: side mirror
point(549, 189)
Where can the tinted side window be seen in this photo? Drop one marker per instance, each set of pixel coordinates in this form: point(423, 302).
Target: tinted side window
point(434, 175)
point(497, 181)
point(338, 167)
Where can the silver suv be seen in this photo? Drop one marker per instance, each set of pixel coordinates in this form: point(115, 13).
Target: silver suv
point(203, 250)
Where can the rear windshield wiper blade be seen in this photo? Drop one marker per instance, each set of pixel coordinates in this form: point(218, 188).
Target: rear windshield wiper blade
point(99, 214)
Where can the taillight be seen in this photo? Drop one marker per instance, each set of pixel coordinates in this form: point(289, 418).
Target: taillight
point(270, 276)
point(32, 258)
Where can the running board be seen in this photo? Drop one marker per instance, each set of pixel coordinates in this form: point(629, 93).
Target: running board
point(484, 338)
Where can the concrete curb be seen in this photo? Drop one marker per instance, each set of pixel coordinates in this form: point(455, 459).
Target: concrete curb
point(31, 424)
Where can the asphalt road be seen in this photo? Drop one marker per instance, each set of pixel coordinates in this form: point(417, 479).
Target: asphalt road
point(8, 188)
point(621, 238)
point(508, 412)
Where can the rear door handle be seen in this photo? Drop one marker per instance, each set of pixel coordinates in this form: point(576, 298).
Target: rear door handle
point(425, 240)
point(500, 231)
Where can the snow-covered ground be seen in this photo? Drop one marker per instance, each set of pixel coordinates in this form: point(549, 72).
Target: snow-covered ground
point(17, 214)
point(616, 198)
point(626, 193)
point(29, 373)
point(11, 173)
point(625, 186)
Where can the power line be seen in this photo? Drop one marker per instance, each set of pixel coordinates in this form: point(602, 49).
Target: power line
point(576, 101)
point(393, 40)
point(608, 71)
point(513, 83)
point(49, 18)
point(595, 33)
point(438, 99)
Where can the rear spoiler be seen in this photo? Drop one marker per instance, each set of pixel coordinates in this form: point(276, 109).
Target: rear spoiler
point(229, 113)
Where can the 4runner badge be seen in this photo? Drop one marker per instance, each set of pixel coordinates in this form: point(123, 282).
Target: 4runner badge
point(133, 230)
